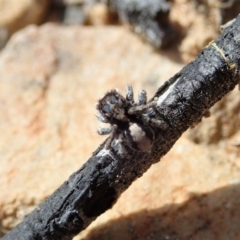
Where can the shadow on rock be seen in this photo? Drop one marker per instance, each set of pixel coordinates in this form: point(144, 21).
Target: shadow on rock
point(210, 216)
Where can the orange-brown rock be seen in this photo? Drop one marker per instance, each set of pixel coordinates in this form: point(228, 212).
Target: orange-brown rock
point(18, 14)
point(50, 79)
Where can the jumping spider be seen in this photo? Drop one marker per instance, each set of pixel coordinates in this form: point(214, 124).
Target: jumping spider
point(129, 121)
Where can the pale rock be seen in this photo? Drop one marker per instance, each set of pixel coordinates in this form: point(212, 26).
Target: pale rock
point(50, 79)
point(223, 123)
point(199, 23)
point(18, 14)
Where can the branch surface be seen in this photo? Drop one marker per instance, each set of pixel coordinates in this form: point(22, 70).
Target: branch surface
point(180, 102)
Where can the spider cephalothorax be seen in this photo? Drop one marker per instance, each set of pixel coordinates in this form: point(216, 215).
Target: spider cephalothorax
point(113, 107)
point(128, 120)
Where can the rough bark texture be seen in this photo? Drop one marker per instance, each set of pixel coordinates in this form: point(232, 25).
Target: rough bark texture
point(97, 185)
point(150, 18)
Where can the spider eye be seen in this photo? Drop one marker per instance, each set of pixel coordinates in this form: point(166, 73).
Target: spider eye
point(113, 100)
point(112, 107)
point(107, 108)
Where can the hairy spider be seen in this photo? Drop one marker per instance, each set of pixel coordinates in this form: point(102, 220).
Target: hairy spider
point(129, 121)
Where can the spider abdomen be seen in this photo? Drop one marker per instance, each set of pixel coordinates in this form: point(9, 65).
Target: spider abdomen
point(140, 137)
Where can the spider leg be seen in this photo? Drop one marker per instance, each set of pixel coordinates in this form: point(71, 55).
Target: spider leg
point(142, 108)
point(101, 118)
point(153, 122)
point(142, 98)
point(111, 137)
point(105, 131)
point(129, 93)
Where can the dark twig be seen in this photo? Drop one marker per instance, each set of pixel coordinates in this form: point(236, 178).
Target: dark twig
point(149, 18)
point(180, 103)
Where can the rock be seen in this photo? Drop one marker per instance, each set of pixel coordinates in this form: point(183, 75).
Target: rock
point(87, 14)
point(83, 12)
point(50, 79)
point(198, 22)
point(222, 125)
point(100, 14)
point(4, 35)
point(74, 15)
point(71, 2)
point(18, 14)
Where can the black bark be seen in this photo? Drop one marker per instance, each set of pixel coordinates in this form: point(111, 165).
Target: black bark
point(148, 17)
point(93, 189)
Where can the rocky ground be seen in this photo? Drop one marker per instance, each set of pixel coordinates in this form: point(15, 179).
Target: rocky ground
point(51, 76)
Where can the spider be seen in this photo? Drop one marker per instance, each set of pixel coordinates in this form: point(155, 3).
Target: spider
point(129, 121)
